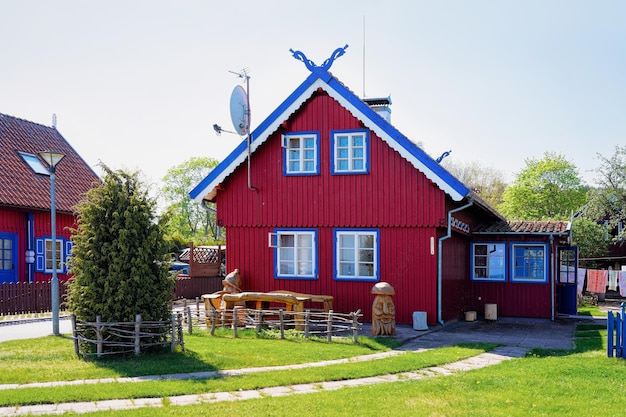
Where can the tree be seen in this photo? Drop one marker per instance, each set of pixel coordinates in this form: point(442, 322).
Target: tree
point(590, 238)
point(119, 255)
point(607, 202)
point(547, 189)
point(185, 216)
point(484, 181)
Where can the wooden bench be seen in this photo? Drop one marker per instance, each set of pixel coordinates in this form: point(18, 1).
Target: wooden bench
point(287, 300)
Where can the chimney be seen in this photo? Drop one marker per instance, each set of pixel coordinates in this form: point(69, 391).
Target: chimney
point(380, 106)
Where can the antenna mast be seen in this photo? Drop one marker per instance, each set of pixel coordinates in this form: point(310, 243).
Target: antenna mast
point(244, 74)
point(363, 56)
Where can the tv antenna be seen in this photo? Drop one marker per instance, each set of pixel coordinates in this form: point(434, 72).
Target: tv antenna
point(240, 113)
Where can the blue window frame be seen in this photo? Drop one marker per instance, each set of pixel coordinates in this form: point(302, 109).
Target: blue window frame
point(529, 262)
point(488, 262)
point(301, 153)
point(295, 253)
point(350, 152)
point(356, 254)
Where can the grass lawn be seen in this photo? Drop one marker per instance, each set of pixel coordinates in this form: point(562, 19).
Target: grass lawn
point(579, 382)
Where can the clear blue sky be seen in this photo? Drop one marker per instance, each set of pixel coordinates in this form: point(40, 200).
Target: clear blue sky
point(139, 84)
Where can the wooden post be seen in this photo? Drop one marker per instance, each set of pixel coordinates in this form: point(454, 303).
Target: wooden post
point(98, 337)
point(355, 326)
point(198, 307)
point(75, 334)
point(307, 323)
point(179, 326)
point(189, 323)
point(213, 321)
point(173, 332)
point(137, 334)
point(235, 318)
point(329, 327)
point(258, 317)
point(282, 323)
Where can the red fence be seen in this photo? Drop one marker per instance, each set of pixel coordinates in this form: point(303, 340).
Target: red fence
point(36, 297)
point(26, 298)
point(194, 287)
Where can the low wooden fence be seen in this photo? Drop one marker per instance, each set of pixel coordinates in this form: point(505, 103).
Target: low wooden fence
point(616, 327)
point(126, 337)
point(277, 323)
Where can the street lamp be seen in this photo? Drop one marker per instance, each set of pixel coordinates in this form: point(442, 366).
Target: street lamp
point(52, 158)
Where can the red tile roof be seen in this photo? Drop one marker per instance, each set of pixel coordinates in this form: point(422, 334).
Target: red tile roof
point(522, 227)
point(20, 186)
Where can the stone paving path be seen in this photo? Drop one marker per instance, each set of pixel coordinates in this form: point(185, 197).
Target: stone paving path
point(498, 355)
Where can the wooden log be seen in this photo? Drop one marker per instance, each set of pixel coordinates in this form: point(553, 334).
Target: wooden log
point(235, 318)
point(75, 334)
point(282, 323)
point(329, 327)
point(137, 334)
point(189, 323)
point(307, 323)
point(98, 337)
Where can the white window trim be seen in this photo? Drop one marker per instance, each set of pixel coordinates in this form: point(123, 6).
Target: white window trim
point(60, 259)
point(473, 263)
point(366, 151)
point(34, 163)
point(287, 160)
point(275, 243)
point(542, 280)
point(337, 258)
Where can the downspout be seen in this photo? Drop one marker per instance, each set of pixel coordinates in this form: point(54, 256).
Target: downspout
point(552, 278)
point(439, 257)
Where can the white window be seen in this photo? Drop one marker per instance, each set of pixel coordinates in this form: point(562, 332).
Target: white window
point(350, 152)
point(59, 255)
point(488, 261)
point(529, 262)
point(356, 255)
point(34, 163)
point(295, 254)
point(301, 154)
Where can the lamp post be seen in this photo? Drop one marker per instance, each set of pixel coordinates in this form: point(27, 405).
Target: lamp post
point(52, 158)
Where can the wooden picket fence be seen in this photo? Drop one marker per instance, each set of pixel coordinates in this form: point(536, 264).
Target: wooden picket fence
point(22, 298)
point(616, 327)
point(126, 337)
point(28, 297)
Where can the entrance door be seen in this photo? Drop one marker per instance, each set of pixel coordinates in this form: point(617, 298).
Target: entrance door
point(566, 279)
point(8, 257)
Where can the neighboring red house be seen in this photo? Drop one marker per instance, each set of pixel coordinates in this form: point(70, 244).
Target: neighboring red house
point(25, 223)
point(336, 199)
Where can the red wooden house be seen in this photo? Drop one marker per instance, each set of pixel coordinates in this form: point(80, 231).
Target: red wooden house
point(334, 199)
point(25, 223)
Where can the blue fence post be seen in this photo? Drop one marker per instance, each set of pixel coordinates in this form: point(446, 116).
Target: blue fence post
point(622, 335)
point(609, 334)
point(618, 335)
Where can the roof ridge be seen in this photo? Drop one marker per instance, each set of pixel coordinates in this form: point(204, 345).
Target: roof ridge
point(27, 121)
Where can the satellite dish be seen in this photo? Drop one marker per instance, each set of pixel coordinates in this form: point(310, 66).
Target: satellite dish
point(239, 112)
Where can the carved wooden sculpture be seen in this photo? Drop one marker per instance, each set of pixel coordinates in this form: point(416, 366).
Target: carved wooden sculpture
point(383, 310)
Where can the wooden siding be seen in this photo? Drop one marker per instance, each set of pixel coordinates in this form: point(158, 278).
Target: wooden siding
point(455, 281)
point(15, 221)
point(405, 263)
point(394, 194)
point(394, 197)
point(513, 299)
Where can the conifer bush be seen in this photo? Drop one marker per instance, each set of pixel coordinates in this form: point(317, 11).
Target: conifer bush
point(119, 261)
